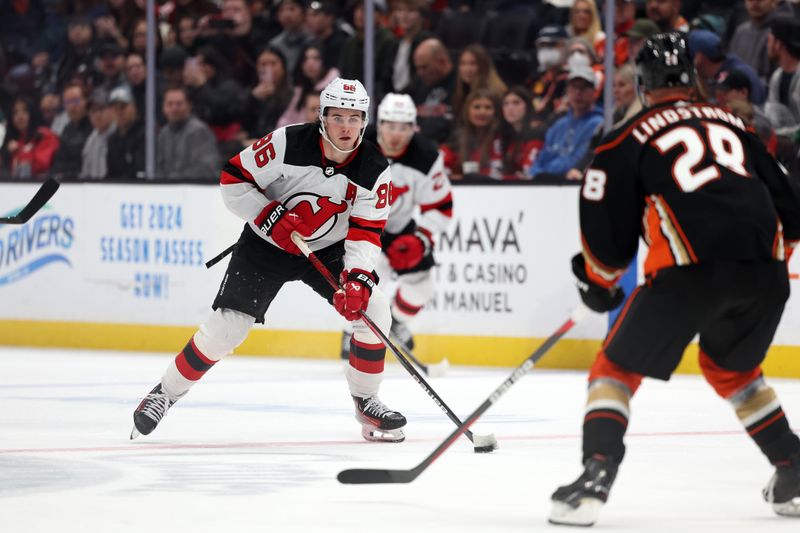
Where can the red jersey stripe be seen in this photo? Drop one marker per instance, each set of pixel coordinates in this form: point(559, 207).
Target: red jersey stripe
point(356, 234)
point(368, 367)
point(366, 223)
point(237, 162)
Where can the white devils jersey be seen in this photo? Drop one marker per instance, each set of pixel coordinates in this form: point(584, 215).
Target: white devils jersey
point(419, 181)
point(347, 201)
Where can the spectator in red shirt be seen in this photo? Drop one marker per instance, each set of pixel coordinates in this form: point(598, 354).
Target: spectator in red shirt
point(29, 147)
point(519, 142)
point(474, 148)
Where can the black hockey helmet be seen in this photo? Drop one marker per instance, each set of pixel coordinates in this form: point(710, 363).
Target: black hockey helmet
point(664, 61)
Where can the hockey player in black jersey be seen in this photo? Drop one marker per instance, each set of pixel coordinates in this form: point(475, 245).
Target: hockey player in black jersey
point(422, 206)
point(720, 218)
point(323, 182)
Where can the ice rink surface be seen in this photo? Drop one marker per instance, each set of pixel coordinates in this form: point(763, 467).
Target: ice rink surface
point(257, 444)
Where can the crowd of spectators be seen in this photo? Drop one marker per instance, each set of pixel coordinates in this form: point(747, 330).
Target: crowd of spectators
point(509, 89)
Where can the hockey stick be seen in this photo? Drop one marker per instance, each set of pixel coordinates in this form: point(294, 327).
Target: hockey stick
point(371, 475)
point(45, 192)
point(220, 256)
point(482, 443)
point(432, 370)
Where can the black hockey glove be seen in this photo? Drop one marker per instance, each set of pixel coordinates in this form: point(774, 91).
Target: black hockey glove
point(597, 298)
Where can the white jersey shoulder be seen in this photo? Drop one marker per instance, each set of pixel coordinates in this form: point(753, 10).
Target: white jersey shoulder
point(348, 201)
point(421, 190)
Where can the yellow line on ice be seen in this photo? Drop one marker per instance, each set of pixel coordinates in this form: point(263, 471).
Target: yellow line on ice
point(782, 361)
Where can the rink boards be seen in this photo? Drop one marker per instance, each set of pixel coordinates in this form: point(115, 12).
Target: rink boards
point(122, 267)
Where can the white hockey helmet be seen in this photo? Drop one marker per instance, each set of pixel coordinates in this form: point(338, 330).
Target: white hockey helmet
point(344, 94)
point(397, 108)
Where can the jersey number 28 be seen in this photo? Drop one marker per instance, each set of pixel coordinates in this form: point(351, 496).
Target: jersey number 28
point(723, 142)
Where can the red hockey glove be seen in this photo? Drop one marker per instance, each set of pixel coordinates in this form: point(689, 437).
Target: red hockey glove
point(406, 251)
point(278, 222)
point(353, 297)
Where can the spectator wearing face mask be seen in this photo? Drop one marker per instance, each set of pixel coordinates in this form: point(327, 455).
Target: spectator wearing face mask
point(550, 84)
point(579, 49)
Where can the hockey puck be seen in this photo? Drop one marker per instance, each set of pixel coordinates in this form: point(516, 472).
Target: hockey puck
point(485, 443)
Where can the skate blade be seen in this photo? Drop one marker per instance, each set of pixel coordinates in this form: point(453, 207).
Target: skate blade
point(585, 514)
point(134, 433)
point(790, 508)
point(373, 434)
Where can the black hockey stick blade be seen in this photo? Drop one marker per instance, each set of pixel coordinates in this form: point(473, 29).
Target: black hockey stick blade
point(362, 476)
point(45, 192)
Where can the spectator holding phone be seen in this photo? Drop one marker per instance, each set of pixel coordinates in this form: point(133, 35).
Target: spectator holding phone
point(267, 100)
point(312, 74)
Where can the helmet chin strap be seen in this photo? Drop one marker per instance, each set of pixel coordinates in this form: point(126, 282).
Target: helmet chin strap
point(324, 133)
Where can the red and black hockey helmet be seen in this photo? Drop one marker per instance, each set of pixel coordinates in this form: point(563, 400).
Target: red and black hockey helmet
point(664, 61)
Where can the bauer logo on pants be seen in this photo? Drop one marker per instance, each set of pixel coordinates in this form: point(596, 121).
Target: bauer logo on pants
point(42, 241)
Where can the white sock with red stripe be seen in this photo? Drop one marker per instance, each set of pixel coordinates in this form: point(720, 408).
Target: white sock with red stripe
point(413, 292)
point(365, 373)
point(217, 337)
point(367, 352)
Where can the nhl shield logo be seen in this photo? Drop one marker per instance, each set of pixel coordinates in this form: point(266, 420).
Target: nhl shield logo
point(329, 171)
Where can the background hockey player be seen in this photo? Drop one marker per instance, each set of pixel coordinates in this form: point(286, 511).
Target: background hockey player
point(422, 206)
point(319, 180)
point(720, 218)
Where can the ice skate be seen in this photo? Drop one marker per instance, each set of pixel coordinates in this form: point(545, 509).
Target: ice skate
point(150, 411)
point(783, 489)
point(378, 422)
point(579, 503)
point(403, 335)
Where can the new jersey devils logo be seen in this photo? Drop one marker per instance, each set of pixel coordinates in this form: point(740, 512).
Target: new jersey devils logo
point(318, 212)
point(396, 193)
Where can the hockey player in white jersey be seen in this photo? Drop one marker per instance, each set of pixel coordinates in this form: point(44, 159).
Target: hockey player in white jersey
point(422, 206)
point(322, 181)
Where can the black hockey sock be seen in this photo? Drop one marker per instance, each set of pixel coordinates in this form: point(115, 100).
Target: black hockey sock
point(603, 431)
point(758, 408)
point(774, 436)
point(606, 420)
